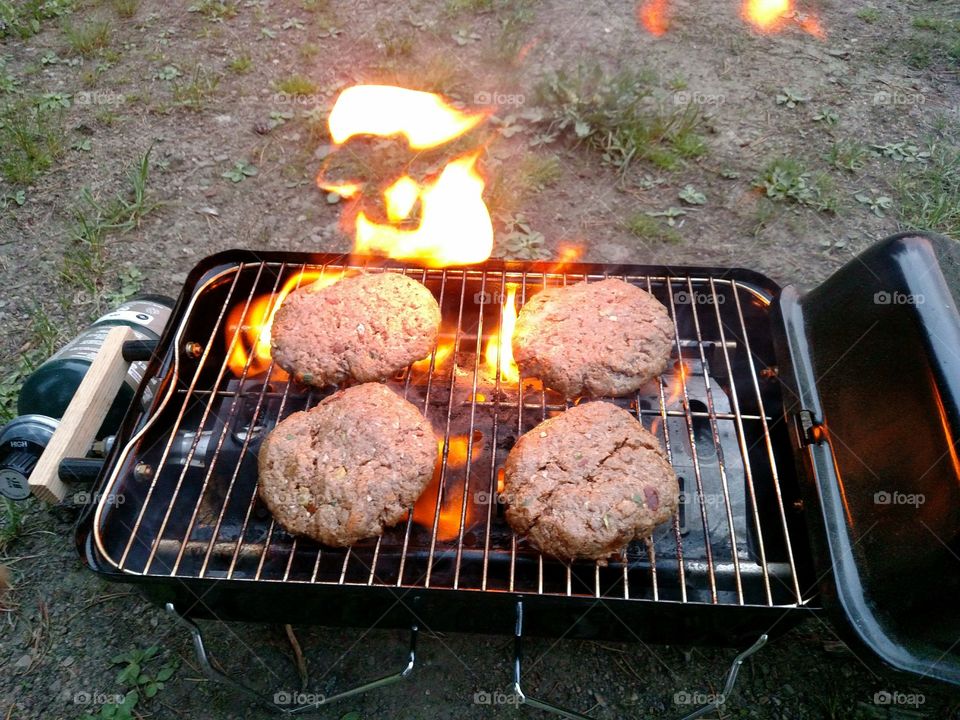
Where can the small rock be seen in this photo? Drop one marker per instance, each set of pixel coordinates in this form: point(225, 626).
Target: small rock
point(24, 662)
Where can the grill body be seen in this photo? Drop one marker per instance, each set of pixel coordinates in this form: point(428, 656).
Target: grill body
point(179, 512)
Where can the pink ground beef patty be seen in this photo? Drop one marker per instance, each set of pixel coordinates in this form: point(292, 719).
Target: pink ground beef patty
point(363, 328)
point(585, 483)
point(349, 467)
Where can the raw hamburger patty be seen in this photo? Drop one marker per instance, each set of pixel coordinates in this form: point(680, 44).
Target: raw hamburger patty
point(349, 467)
point(587, 482)
point(364, 327)
point(603, 338)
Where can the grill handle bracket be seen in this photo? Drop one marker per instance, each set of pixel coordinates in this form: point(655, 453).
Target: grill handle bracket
point(280, 701)
point(524, 699)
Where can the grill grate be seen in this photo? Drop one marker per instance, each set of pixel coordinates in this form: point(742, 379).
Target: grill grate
point(181, 499)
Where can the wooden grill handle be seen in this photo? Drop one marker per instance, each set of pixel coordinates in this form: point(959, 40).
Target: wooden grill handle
point(84, 415)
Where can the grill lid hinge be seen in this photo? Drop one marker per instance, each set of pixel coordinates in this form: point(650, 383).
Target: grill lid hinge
point(809, 429)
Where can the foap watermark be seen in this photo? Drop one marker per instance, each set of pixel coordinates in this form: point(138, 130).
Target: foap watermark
point(898, 98)
point(97, 698)
point(707, 500)
point(684, 297)
point(695, 97)
point(486, 298)
point(307, 99)
point(491, 97)
point(498, 697)
point(482, 497)
point(684, 697)
point(898, 498)
point(286, 698)
point(895, 697)
point(897, 298)
point(99, 97)
point(89, 498)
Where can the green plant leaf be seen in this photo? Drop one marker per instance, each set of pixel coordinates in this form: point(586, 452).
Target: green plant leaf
point(692, 196)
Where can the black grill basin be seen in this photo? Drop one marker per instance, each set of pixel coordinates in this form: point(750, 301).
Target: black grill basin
point(750, 413)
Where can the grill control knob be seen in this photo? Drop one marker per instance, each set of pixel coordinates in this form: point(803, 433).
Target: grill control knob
point(22, 441)
point(15, 474)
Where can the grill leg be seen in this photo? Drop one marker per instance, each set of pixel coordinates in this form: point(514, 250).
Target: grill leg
point(281, 701)
point(525, 699)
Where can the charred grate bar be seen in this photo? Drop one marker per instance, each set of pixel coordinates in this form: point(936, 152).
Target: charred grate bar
point(187, 477)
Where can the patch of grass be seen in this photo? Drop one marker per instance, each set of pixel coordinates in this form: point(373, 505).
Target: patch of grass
point(848, 155)
point(919, 53)
point(296, 85)
point(510, 183)
point(644, 227)
point(107, 117)
point(392, 41)
point(32, 137)
point(937, 25)
point(437, 73)
point(540, 172)
point(41, 343)
point(457, 6)
point(929, 193)
point(621, 117)
point(869, 15)
point(309, 50)
point(87, 38)
point(84, 264)
point(8, 81)
point(934, 44)
point(12, 526)
point(241, 65)
point(142, 678)
point(765, 212)
point(25, 19)
point(125, 9)
point(194, 92)
point(788, 180)
point(215, 10)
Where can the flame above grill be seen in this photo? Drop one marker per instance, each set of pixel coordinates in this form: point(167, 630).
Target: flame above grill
point(765, 15)
point(454, 224)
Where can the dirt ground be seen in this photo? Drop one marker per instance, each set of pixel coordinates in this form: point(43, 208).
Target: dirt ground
point(805, 148)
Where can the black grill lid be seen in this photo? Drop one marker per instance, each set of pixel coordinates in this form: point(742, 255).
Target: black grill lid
point(876, 361)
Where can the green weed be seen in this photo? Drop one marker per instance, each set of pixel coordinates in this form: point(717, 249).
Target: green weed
point(620, 117)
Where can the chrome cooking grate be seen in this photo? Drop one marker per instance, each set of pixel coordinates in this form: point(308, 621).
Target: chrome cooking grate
point(181, 499)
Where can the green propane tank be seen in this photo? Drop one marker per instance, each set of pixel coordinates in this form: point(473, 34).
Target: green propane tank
point(49, 390)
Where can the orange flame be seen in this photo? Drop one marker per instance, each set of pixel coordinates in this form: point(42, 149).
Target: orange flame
point(812, 25)
point(499, 346)
point(454, 225)
point(652, 14)
point(251, 350)
point(439, 356)
point(677, 383)
point(448, 524)
point(767, 14)
point(771, 16)
point(384, 110)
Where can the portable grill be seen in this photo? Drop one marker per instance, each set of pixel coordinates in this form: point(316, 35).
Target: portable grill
point(784, 417)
